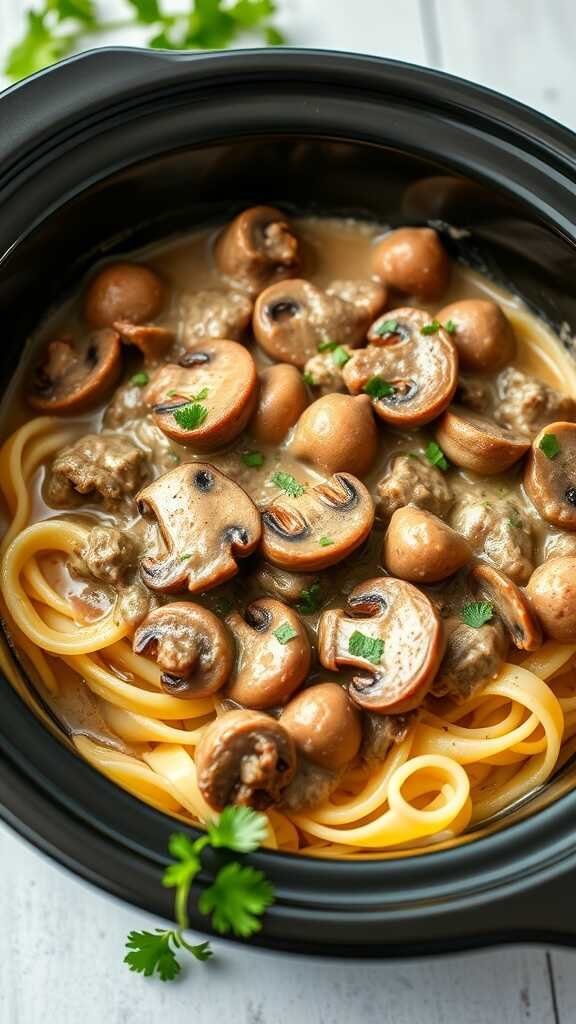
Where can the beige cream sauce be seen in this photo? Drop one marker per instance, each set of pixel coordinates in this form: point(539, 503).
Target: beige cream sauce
point(333, 248)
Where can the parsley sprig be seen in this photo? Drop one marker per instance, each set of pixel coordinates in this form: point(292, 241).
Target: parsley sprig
point(235, 901)
point(55, 28)
point(477, 613)
point(362, 646)
point(287, 483)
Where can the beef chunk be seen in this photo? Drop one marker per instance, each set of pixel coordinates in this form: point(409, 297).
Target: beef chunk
point(472, 658)
point(311, 786)
point(412, 481)
point(380, 732)
point(498, 530)
point(526, 404)
point(214, 314)
point(108, 555)
point(98, 465)
point(325, 373)
point(474, 393)
point(128, 404)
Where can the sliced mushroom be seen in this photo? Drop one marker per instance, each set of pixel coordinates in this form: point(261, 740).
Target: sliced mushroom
point(508, 601)
point(286, 586)
point(123, 291)
point(259, 246)
point(73, 378)
point(292, 318)
point(324, 724)
point(282, 398)
point(207, 399)
point(273, 654)
point(152, 341)
point(413, 261)
point(421, 548)
point(478, 444)
point(552, 591)
point(482, 334)
point(410, 373)
point(550, 474)
point(319, 527)
point(190, 644)
point(245, 758)
point(206, 520)
point(394, 633)
point(337, 434)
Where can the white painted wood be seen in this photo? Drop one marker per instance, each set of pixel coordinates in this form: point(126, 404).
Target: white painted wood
point(61, 942)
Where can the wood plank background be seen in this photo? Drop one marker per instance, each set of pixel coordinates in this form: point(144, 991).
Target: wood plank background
point(61, 942)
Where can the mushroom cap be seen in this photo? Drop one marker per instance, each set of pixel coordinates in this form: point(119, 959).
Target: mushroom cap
point(220, 380)
point(293, 317)
point(269, 668)
point(206, 521)
point(152, 341)
point(123, 291)
point(413, 261)
point(286, 586)
point(244, 757)
point(406, 649)
point(550, 483)
point(421, 370)
point(483, 335)
point(73, 378)
point(478, 444)
point(324, 724)
point(420, 547)
point(552, 592)
point(337, 434)
point(283, 397)
point(492, 585)
point(257, 247)
point(318, 528)
point(190, 644)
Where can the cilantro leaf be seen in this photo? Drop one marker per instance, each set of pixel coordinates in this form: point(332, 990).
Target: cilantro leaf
point(238, 828)
point(340, 356)
point(432, 328)
point(286, 482)
point(252, 458)
point(549, 446)
point(308, 602)
point(369, 647)
point(148, 11)
point(237, 899)
point(285, 632)
point(202, 951)
point(436, 456)
point(139, 380)
point(378, 388)
point(387, 327)
point(477, 613)
point(82, 10)
point(273, 36)
point(151, 952)
point(189, 417)
point(249, 13)
point(180, 876)
point(37, 48)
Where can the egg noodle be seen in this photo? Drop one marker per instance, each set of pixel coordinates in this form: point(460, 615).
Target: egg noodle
point(458, 765)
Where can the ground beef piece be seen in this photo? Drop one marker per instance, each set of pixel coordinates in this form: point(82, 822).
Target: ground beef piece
point(108, 555)
point(311, 786)
point(526, 404)
point(323, 372)
point(412, 481)
point(111, 467)
point(128, 404)
point(498, 530)
point(472, 658)
point(474, 393)
point(214, 314)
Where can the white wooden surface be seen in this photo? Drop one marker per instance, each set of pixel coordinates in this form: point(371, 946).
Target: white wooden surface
point(61, 942)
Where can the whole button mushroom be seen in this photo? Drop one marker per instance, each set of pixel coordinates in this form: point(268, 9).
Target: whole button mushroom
point(393, 632)
point(257, 247)
point(206, 399)
point(552, 592)
point(309, 530)
point(421, 548)
point(293, 318)
point(337, 433)
point(550, 474)
point(413, 261)
point(245, 758)
point(482, 334)
point(409, 368)
point(190, 644)
point(282, 398)
point(478, 444)
point(273, 654)
point(73, 378)
point(206, 520)
point(123, 291)
point(325, 725)
point(509, 603)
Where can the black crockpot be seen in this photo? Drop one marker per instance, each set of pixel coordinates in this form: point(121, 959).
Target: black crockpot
point(115, 148)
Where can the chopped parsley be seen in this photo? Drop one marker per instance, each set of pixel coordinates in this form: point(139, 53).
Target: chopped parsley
point(189, 417)
point(309, 379)
point(340, 356)
point(436, 456)
point(387, 327)
point(450, 327)
point(549, 446)
point(252, 458)
point(369, 647)
point(308, 603)
point(432, 328)
point(139, 380)
point(477, 614)
point(186, 555)
point(287, 483)
point(174, 392)
point(327, 346)
point(378, 388)
point(325, 542)
point(285, 632)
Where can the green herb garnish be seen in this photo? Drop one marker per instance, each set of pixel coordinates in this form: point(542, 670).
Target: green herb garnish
point(287, 483)
point(325, 542)
point(450, 327)
point(369, 647)
point(432, 328)
point(308, 603)
point(139, 380)
point(387, 327)
point(186, 555)
point(327, 346)
point(436, 456)
point(340, 356)
point(191, 416)
point(378, 388)
point(477, 614)
point(285, 632)
point(309, 379)
point(252, 458)
point(549, 446)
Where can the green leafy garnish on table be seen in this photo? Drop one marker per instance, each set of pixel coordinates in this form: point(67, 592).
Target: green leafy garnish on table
point(191, 416)
point(436, 456)
point(477, 614)
point(369, 647)
point(287, 483)
point(55, 28)
point(549, 446)
point(235, 901)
